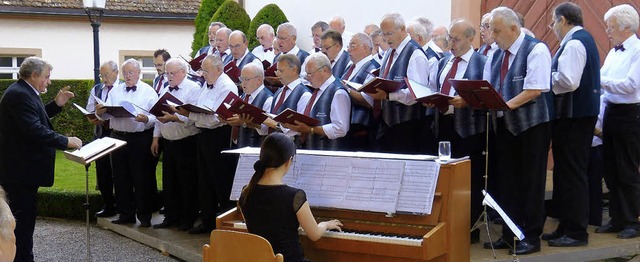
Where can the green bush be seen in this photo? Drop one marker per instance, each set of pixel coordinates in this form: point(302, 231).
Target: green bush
point(232, 15)
point(68, 204)
point(70, 121)
point(207, 9)
point(270, 14)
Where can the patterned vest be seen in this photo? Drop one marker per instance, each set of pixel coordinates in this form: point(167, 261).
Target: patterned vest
point(361, 115)
point(292, 100)
point(466, 120)
point(584, 101)
point(322, 111)
point(247, 59)
point(394, 112)
point(340, 67)
point(533, 112)
point(249, 136)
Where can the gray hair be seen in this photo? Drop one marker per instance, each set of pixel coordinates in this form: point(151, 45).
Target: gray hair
point(292, 60)
point(320, 24)
point(216, 61)
point(427, 24)
point(255, 69)
point(485, 16)
point(238, 32)
point(320, 59)
point(469, 29)
point(111, 65)
point(340, 20)
point(33, 65)
point(418, 29)
point(364, 39)
point(396, 18)
point(132, 62)
point(508, 16)
point(224, 30)
point(289, 27)
point(6, 217)
point(218, 24)
point(626, 16)
point(180, 63)
point(268, 27)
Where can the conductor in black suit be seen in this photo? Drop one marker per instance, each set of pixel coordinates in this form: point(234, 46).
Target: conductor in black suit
point(28, 146)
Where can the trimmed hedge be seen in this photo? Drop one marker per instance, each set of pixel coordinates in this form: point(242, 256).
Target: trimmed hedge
point(270, 14)
point(232, 15)
point(68, 204)
point(207, 9)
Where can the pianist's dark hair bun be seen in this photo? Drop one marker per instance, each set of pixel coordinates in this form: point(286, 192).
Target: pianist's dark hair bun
point(275, 151)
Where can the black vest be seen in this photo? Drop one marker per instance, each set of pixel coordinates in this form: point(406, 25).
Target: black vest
point(322, 111)
point(584, 101)
point(249, 136)
point(361, 115)
point(292, 100)
point(99, 130)
point(340, 66)
point(247, 59)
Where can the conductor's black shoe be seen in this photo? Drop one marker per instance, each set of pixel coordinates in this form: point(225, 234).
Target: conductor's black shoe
point(565, 241)
point(523, 248)
point(628, 233)
point(498, 244)
point(200, 229)
point(164, 224)
point(552, 235)
point(106, 212)
point(608, 228)
point(123, 220)
point(145, 223)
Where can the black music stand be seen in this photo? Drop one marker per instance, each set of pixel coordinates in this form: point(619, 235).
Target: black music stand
point(480, 95)
point(92, 152)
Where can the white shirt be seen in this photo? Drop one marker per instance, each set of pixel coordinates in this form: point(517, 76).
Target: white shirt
point(462, 68)
point(256, 61)
point(91, 102)
point(340, 111)
point(266, 106)
point(300, 105)
point(187, 92)
point(619, 77)
point(369, 77)
point(418, 70)
point(259, 52)
point(492, 49)
point(212, 98)
point(571, 64)
point(538, 66)
point(144, 96)
point(434, 47)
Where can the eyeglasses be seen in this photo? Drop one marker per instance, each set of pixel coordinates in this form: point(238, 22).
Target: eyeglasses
point(130, 73)
point(242, 79)
point(235, 46)
point(325, 49)
point(172, 74)
point(484, 27)
point(310, 74)
point(552, 24)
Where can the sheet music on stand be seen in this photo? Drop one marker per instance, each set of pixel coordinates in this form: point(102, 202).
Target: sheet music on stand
point(336, 180)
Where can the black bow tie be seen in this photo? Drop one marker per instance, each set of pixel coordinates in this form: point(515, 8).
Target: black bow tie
point(318, 49)
point(131, 88)
point(109, 87)
point(268, 49)
point(619, 47)
point(210, 86)
point(173, 88)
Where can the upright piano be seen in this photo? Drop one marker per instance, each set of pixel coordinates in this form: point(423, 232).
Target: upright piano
point(442, 235)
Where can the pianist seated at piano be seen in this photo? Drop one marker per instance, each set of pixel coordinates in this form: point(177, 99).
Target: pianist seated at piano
point(274, 210)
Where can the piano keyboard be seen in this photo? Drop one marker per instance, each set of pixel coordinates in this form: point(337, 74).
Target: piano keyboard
point(360, 236)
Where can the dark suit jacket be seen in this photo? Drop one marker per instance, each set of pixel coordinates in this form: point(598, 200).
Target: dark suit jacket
point(27, 140)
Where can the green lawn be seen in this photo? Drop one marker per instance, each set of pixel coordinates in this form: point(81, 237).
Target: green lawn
point(70, 176)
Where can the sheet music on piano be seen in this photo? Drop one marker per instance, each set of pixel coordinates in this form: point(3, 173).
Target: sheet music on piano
point(386, 185)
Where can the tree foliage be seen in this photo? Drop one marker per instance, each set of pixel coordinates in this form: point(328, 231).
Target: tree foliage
point(270, 14)
point(232, 15)
point(207, 9)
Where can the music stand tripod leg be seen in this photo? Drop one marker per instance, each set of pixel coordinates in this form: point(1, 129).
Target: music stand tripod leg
point(87, 209)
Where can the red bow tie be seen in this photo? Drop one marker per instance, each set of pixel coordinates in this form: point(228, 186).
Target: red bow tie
point(268, 49)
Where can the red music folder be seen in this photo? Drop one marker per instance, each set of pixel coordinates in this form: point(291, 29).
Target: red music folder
point(265, 64)
point(424, 95)
point(196, 63)
point(196, 109)
point(223, 110)
point(271, 70)
point(288, 116)
point(387, 85)
point(241, 107)
point(479, 94)
point(232, 71)
point(162, 105)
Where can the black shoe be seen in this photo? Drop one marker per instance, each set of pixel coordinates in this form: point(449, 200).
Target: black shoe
point(498, 244)
point(122, 220)
point(523, 248)
point(628, 233)
point(164, 224)
point(162, 211)
point(608, 228)
point(200, 229)
point(145, 223)
point(106, 212)
point(552, 235)
point(185, 226)
point(565, 241)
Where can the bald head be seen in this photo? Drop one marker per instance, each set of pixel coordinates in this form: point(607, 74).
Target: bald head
point(238, 44)
point(337, 23)
point(461, 34)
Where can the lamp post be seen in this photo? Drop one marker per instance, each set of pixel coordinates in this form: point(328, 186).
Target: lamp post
point(95, 10)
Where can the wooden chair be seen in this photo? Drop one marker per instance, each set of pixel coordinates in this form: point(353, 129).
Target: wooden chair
point(233, 246)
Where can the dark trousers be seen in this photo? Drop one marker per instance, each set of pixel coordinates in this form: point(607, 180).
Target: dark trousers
point(571, 144)
point(22, 201)
point(428, 143)
point(595, 172)
point(215, 172)
point(403, 137)
point(621, 150)
point(522, 164)
point(104, 178)
point(180, 180)
point(132, 180)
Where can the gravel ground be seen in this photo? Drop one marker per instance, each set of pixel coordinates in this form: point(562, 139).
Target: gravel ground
point(61, 240)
